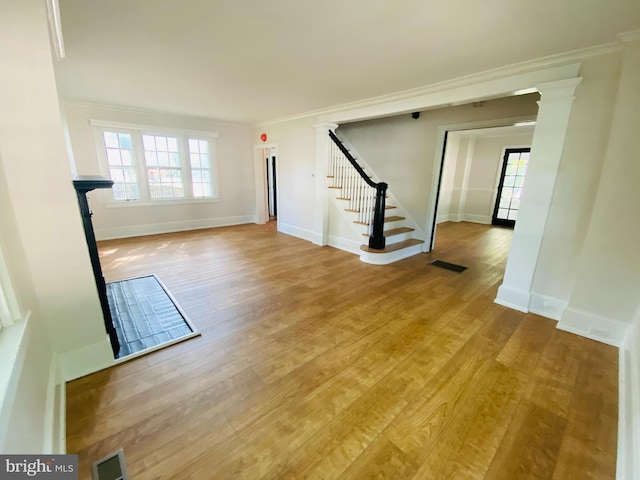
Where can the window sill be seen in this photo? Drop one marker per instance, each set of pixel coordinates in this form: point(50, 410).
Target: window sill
point(13, 345)
point(160, 203)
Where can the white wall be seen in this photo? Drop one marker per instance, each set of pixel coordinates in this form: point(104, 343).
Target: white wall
point(605, 295)
point(401, 150)
point(576, 184)
point(235, 170)
point(296, 162)
point(40, 233)
point(471, 172)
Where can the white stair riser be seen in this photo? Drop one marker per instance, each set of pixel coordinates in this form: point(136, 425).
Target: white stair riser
point(387, 258)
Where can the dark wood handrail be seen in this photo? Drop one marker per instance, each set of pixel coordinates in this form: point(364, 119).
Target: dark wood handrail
point(376, 240)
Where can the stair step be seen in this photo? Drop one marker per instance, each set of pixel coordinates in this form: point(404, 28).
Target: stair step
point(394, 231)
point(389, 207)
point(393, 247)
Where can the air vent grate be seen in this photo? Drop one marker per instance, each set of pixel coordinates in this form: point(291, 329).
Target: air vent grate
point(111, 467)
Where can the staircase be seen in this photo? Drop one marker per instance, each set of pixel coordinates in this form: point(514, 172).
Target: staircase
point(374, 215)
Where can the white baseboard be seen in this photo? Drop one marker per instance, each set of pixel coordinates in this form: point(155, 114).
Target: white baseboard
point(513, 298)
point(464, 217)
point(345, 244)
point(546, 306)
point(85, 360)
point(170, 227)
point(298, 232)
point(628, 462)
point(593, 326)
point(55, 414)
point(484, 219)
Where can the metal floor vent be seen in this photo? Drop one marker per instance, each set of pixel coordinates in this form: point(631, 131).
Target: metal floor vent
point(111, 467)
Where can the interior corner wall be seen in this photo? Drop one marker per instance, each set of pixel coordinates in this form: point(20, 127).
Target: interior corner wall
point(39, 185)
point(605, 295)
point(401, 150)
point(576, 184)
point(235, 175)
point(22, 419)
point(295, 140)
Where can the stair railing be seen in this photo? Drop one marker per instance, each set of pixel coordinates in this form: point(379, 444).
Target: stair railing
point(366, 197)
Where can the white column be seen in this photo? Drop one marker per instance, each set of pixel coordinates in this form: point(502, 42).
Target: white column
point(323, 144)
point(554, 110)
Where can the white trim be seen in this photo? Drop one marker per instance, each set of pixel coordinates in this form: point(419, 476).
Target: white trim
point(151, 129)
point(298, 232)
point(55, 28)
point(596, 327)
point(628, 462)
point(14, 342)
point(54, 420)
point(160, 202)
point(513, 298)
point(544, 63)
point(170, 227)
point(546, 306)
point(390, 257)
point(456, 93)
point(554, 111)
point(345, 244)
point(149, 111)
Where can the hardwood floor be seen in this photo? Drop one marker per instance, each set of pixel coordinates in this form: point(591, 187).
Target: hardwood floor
point(312, 364)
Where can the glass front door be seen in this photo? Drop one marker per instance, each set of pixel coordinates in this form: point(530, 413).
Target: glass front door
point(514, 171)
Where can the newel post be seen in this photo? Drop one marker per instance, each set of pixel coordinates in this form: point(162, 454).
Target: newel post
point(376, 240)
point(323, 150)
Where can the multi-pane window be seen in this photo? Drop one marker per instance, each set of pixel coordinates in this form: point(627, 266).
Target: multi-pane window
point(119, 151)
point(200, 167)
point(162, 162)
point(514, 171)
point(149, 166)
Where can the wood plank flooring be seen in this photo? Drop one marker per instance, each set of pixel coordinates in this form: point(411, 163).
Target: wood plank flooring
point(312, 364)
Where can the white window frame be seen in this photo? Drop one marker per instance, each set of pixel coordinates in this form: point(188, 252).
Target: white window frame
point(137, 131)
point(9, 308)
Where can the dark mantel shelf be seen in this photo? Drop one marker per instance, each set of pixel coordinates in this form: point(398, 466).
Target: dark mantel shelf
point(86, 183)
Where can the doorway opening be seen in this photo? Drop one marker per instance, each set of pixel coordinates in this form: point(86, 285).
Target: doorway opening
point(474, 182)
point(272, 199)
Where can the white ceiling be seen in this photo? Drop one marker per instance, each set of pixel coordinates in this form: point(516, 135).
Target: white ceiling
point(256, 60)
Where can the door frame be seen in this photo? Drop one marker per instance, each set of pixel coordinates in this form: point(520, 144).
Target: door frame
point(500, 184)
point(440, 153)
point(260, 181)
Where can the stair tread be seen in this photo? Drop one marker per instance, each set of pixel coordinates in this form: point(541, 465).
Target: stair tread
point(393, 218)
point(393, 247)
point(394, 231)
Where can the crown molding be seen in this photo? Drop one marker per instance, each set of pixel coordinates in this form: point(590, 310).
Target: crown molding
point(145, 111)
point(573, 56)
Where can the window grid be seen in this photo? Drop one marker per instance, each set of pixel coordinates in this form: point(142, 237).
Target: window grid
point(164, 172)
point(122, 169)
point(200, 168)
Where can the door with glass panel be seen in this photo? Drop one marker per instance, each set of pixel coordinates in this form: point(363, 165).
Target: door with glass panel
point(514, 171)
